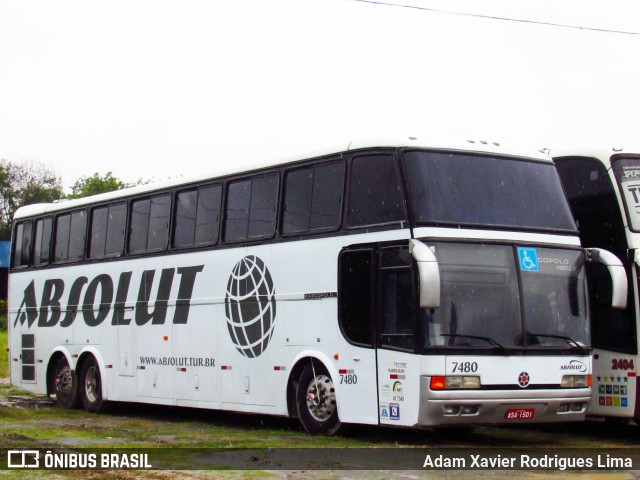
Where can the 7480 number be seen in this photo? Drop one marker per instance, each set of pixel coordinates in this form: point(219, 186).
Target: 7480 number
point(465, 367)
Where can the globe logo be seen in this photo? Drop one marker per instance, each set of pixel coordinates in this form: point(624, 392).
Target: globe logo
point(250, 306)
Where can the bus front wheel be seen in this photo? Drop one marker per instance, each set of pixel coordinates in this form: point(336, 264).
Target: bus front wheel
point(91, 387)
point(66, 385)
point(316, 400)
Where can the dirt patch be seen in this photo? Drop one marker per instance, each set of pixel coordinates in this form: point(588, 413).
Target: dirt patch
point(28, 402)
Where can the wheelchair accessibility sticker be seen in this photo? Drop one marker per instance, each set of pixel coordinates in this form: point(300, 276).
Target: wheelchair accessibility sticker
point(528, 259)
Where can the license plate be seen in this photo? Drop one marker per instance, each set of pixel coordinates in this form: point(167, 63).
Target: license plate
point(519, 413)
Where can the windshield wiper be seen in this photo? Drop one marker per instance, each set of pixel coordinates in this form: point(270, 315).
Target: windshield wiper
point(569, 340)
point(489, 340)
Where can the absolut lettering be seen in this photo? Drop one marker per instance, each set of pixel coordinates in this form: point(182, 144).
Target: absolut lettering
point(101, 298)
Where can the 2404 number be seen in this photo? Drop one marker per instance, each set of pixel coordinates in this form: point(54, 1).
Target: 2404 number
point(622, 364)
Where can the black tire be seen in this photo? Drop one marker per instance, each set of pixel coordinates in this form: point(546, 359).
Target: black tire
point(91, 387)
point(316, 401)
point(65, 383)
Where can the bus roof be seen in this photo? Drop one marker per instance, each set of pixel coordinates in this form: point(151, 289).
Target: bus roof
point(476, 146)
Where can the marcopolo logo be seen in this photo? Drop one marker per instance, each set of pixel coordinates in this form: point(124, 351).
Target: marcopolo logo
point(250, 306)
point(574, 366)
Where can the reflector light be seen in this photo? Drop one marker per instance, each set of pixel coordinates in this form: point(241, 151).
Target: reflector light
point(437, 383)
point(454, 382)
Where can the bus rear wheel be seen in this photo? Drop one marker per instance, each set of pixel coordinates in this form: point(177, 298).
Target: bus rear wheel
point(91, 387)
point(66, 385)
point(316, 401)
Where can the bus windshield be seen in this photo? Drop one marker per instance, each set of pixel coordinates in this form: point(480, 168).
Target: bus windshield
point(506, 297)
point(627, 172)
point(465, 189)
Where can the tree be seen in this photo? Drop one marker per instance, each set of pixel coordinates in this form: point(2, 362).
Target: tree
point(24, 184)
point(86, 186)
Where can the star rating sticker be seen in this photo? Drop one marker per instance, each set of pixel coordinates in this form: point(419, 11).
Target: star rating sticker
point(599, 378)
point(626, 379)
point(619, 379)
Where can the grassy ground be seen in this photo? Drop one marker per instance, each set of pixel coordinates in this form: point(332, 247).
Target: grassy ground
point(31, 421)
point(4, 355)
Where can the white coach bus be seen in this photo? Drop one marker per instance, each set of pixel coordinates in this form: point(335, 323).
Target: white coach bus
point(400, 283)
point(603, 188)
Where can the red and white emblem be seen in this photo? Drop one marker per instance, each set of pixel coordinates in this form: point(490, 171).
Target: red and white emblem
point(524, 379)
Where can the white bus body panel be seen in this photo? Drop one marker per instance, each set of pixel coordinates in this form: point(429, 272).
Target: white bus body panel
point(197, 364)
point(407, 400)
point(152, 359)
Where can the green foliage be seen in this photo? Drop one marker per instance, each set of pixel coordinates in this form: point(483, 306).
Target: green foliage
point(86, 186)
point(4, 355)
point(24, 184)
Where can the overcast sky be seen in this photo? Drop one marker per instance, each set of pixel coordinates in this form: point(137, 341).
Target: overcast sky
point(158, 88)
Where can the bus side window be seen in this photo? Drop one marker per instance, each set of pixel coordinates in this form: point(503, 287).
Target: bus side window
point(313, 198)
point(107, 231)
point(22, 245)
point(197, 216)
point(251, 208)
point(208, 215)
point(355, 296)
point(42, 247)
point(70, 236)
point(375, 192)
point(150, 224)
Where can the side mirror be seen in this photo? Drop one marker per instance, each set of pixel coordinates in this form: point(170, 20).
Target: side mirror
point(616, 271)
point(428, 272)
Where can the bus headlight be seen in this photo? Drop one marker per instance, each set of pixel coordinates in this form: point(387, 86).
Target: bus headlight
point(576, 381)
point(454, 382)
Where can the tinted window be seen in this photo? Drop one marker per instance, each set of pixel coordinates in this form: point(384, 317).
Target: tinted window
point(593, 204)
point(375, 193)
point(186, 211)
point(150, 224)
point(251, 208)
point(398, 319)
point(627, 172)
point(197, 216)
point(355, 294)
point(42, 245)
point(70, 236)
point(139, 231)
point(238, 201)
point(116, 229)
point(98, 232)
point(613, 329)
point(313, 198)
point(297, 201)
point(479, 297)
point(107, 231)
point(264, 198)
point(461, 189)
point(595, 207)
point(22, 245)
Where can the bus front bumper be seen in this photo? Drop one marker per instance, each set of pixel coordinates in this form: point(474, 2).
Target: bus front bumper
point(492, 407)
